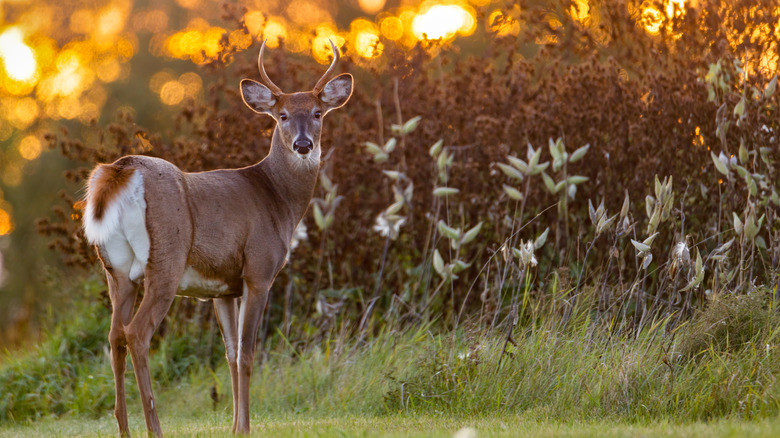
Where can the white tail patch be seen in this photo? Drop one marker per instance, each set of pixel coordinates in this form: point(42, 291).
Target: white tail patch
point(121, 232)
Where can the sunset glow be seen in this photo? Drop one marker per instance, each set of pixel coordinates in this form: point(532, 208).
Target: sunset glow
point(443, 21)
point(18, 58)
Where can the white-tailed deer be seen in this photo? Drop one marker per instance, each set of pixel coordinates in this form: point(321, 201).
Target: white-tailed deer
point(220, 235)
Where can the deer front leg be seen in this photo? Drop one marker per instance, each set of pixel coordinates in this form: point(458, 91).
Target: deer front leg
point(252, 305)
point(227, 317)
point(122, 293)
point(160, 289)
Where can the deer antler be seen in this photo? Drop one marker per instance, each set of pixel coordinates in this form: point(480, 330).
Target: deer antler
point(264, 76)
point(322, 81)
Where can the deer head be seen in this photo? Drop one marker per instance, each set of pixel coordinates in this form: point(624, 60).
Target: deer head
point(298, 115)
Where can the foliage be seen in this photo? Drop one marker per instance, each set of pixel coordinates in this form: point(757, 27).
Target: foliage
point(583, 372)
point(652, 108)
point(70, 372)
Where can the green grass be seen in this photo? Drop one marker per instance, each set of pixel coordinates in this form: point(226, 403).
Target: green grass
point(217, 425)
point(714, 376)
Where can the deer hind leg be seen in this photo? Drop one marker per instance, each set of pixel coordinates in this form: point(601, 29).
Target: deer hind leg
point(159, 291)
point(253, 303)
point(123, 294)
point(227, 317)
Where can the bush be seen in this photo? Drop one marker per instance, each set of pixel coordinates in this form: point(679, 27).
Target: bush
point(731, 323)
point(650, 107)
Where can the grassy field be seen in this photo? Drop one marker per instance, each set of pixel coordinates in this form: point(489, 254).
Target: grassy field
point(713, 376)
point(217, 425)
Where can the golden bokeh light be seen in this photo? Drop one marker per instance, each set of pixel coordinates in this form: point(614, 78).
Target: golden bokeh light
point(30, 147)
point(192, 84)
point(580, 10)
point(653, 19)
point(18, 57)
point(320, 46)
point(254, 21)
point(503, 23)
point(371, 6)
point(12, 174)
point(82, 21)
point(23, 113)
point(110, 21)
point(6, 225)
point(444, 21)
point(172, 93)
point(367, 44)
point(108, 70)
point(274, 31)
point(366, 38)
point(392, 28)
point(307, 12)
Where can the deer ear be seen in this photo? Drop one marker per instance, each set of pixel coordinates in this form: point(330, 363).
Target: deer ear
point(257, 96)
point(337, 91)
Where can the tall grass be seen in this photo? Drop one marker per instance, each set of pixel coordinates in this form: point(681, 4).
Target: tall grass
point(723, 363)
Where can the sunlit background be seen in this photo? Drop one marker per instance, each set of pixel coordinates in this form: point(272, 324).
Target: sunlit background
point(77, 62)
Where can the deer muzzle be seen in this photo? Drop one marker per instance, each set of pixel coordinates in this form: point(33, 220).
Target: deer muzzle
point(303, 146)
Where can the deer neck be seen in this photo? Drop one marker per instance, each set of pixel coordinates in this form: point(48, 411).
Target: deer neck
point(290, 178)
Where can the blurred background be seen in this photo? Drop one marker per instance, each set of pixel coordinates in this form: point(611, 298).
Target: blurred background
point(77, 63)
point(134, 76)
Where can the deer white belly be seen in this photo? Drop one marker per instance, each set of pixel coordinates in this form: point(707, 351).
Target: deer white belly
point(193, 284)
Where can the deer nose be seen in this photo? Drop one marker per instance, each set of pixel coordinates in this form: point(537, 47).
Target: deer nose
point(303, 146)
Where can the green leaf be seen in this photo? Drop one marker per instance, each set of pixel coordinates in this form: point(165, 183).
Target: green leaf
point(559, 186)
point(460, 266)
point(554, 150)
point(576, 179)
point(410, 125)
point(510, 171)
point(436, 148)
point(318, 218)
point(719, 165)
point(394, 208)
point(438, 262)
point(471, 234)
point(548, 182)
point(579, 153)
point(327, 184)
point(448, 231)
point(444, 191)
point(536, 170)
point(751, 183)
point(641, 247)
point(699, 274)
point(533, 156)
point(739, 110)
point(770, 88)
point(392, 174)
point(442, 161)
point(539, 242)
point(390, 145)
point(381, 157)
point(373, 148)
point(513, 193)
point(649, 240)
point(743, 153)
point(521, 165)
point(737, 224)
point(626, 205)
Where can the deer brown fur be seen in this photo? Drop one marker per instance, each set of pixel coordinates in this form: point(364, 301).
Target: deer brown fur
point(221, 235)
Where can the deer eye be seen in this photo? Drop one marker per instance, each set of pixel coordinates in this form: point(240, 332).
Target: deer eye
point(317, 114)
point(283, 116)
